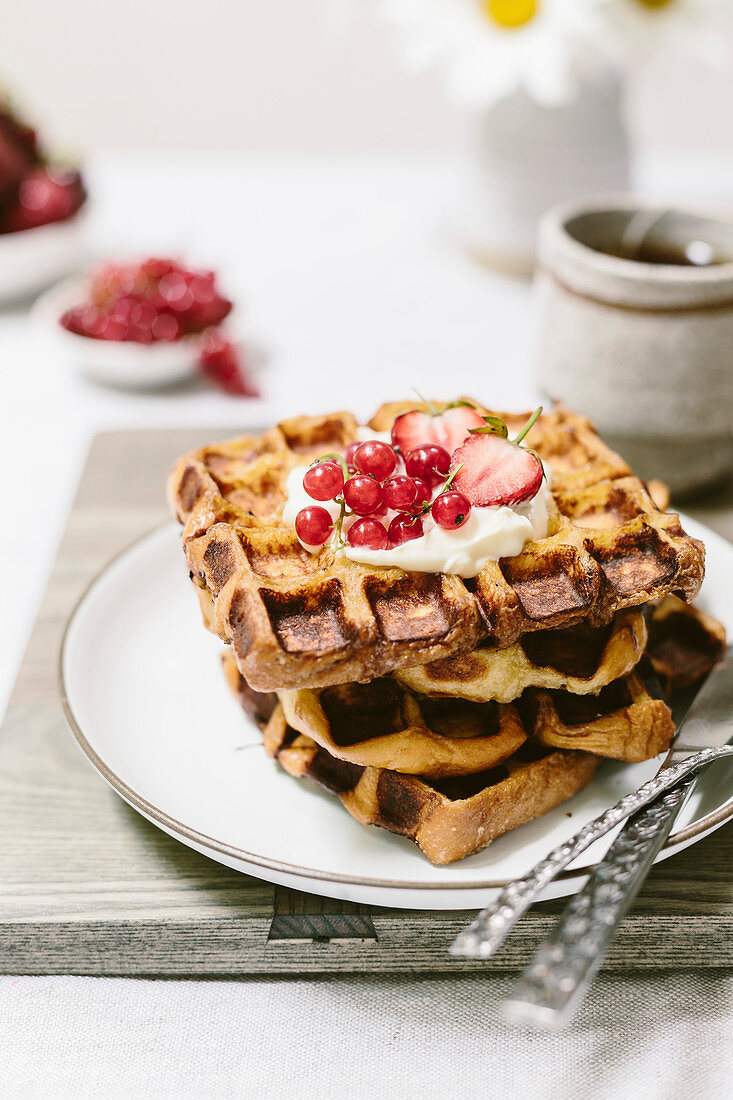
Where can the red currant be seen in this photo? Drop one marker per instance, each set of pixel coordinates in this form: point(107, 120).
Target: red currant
point(430, 463)
point(176, 292)
point(369, 533)
point(400, 492)
point(159, 300)
point(451, 510)
point(113, 330)
point(363, 494)
point(424, 492)
point(313, 525)
point(350, 452)
point(165, 327)
point(324, 481)
point(220, 361)
point(376, 458)
point(405, 527)
point(155, 268)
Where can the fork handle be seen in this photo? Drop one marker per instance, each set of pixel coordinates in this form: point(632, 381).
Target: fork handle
point(557, 979)
point(486, 933)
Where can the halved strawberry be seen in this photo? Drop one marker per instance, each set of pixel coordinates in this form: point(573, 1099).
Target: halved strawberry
point(495, 471)
point(448, 429)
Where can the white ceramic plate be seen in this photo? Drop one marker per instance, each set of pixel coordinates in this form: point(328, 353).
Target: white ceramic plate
point(145, 696)
point(120, 363)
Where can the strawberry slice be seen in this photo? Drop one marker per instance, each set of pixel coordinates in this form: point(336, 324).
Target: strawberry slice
point(495, 471)
point(448, 429)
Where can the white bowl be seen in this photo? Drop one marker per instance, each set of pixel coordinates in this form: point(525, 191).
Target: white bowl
point(32, 259)
point(121, 363)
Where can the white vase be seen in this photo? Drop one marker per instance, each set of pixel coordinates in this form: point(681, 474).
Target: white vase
point(528, 158)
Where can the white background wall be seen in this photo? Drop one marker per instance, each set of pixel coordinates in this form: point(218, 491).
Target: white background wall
point(268, 75)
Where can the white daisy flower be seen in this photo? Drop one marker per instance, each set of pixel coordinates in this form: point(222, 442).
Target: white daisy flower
point(487, 49)
point(645, 27)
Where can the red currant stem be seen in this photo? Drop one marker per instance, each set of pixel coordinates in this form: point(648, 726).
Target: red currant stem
point(428, 404)
point(336, 458)
point(340, 522)
point(530, 424)
point(445, 487)
point(451, 476)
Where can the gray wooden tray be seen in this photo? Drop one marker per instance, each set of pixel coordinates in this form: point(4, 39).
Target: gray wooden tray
point(87, 886)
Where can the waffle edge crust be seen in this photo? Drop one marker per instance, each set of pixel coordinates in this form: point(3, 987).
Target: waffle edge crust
point(301, 620)
point(446, 821)
point(450, 816)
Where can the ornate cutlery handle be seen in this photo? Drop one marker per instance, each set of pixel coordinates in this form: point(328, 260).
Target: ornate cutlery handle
point(553, 985)
point(490, 928)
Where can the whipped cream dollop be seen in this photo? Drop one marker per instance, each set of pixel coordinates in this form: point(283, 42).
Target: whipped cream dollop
point(487, 535)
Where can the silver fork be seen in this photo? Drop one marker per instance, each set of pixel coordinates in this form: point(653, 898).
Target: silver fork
point(554, 984)
point(710, 715)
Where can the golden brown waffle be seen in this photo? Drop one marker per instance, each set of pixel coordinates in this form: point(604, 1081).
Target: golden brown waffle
point(447, 819)
point(296, 619)
point(578, 659)
point(451, 816)
point(684, 644)
point(385, 725)
point(623, 722)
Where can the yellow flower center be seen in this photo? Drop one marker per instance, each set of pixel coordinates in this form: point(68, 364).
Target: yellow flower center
point(654, 3)
point(512, 13)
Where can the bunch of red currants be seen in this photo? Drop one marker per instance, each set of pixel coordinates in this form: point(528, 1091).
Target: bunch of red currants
point(369, 484)
point(156, 300)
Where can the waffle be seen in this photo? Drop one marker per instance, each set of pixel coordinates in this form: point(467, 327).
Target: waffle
point(383, 724)
point(301, 620)
point(447, 819)
point(623, 722)
point(386, 725)
point(684, 644)
point(578, 659)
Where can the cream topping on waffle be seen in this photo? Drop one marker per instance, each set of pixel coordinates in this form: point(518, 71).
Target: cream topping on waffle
point(364, 433)
point(488, 535)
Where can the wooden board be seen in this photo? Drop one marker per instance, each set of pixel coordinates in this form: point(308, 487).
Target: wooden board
point(87, 886)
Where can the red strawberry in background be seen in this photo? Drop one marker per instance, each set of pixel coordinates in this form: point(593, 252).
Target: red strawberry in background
point(18, 152)
point(448, 429)
point(494, 471)
point(45, 196)
point(13, 163)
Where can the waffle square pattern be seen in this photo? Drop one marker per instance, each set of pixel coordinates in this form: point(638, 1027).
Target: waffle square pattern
point(296, 619)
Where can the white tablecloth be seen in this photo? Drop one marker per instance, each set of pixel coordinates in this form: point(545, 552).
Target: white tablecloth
point(356, 289)
point(661, 1037)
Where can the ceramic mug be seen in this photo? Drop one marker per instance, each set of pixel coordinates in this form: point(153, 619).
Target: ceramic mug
point(636, 331)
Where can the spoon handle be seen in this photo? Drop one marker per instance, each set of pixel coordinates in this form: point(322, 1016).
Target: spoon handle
point(486, 933)
point(557, 979)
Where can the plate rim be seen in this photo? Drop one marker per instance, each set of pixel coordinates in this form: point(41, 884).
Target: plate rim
point(157, 816)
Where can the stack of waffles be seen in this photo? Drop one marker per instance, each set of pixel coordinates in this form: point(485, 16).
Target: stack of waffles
point(447, 710)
